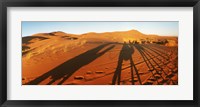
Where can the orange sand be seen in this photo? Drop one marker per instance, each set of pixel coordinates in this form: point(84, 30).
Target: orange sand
point(98, 59)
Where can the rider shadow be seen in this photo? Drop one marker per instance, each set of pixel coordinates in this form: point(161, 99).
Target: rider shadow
point(125, 54)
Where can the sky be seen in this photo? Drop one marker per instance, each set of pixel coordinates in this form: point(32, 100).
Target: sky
point(162, 28)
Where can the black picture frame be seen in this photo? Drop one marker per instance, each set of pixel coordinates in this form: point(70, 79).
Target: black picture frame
point(99, 3)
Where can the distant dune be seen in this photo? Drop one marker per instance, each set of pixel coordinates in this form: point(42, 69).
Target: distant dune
point(118, 36)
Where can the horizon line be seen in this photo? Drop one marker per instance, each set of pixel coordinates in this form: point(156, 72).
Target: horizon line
point(101, 32)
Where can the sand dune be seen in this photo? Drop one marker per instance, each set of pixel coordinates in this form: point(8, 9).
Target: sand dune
point(99, 58)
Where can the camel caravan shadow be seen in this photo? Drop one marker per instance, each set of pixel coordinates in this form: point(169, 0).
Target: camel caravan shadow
point(153, 65)
point(149, 55)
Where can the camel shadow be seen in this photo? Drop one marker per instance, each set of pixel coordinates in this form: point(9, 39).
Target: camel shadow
point(124, 55)
point(66, 69)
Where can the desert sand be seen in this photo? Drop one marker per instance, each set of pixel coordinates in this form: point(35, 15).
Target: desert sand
point(110, 58)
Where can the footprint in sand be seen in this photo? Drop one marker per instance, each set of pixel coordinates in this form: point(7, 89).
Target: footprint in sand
point(79, 77)
point(89, 77)
point(89, 72)
point(106, 68)
point(99, 72)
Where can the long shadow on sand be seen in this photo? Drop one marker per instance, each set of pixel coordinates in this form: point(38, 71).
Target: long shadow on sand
point(148, 63)
point(125, 54)
point(157, 51)
point(148, 53)
point(69, 67)
point(153, 65)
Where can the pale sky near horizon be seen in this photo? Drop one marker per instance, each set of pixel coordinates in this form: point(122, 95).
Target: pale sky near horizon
point(162, 28)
